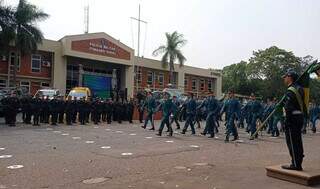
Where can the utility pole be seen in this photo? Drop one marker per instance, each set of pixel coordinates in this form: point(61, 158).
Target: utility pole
point(86, 19)
point(139, 25)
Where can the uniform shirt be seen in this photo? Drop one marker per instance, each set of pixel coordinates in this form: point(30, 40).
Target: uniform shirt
point(191, 106)
point(290, 101)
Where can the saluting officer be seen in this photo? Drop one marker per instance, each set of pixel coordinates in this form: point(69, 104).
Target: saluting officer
point(295, 111)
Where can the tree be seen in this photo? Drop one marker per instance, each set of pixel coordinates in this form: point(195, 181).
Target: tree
point(26, 35)
point(6, 31)
point(171, 52)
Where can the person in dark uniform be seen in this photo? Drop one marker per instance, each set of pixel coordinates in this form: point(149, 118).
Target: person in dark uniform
point(69, 110)
point(12, 105)
point(104, 111)
point(75, 110)
point(119, 111)
point(167, 109)
point(27, 109)
point(212, 108)
point(150, 105)
point(87, 109)
point(45, 110)
point(140, 110)
point(130, 108)
point(24, 105)
point(61, 107)
point(109, 110)
point(190, 111)
point(121, 95)
point(54, 110)
point(175, 112)
point(295, 111)
point(94, 111)
point(36, 105)
point(82, 111)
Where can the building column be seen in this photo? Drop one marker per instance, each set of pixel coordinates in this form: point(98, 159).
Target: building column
point(180, 82)
point(59, 76)
point(218, 88)
point(80, 75)
point(129, 80)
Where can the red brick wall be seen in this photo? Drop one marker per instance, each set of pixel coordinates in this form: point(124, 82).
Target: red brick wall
point(204, 92)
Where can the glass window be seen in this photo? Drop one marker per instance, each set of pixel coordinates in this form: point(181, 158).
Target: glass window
point(25, 85)
point(12, 61)
point(194, 84)
point(45, 85)
point(35, 63)
point(3, 83)
point(161, 78)
point(210, 85)
point(202, 85)
point(150, 78)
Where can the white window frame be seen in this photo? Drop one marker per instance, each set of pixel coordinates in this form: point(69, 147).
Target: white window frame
point(194, 87)
point(3, 83)
point(152, 76)
point(33, 69)
point(13, 54)
point(202, 82)
point(42, 86)
point(161, 81)
point(210, 85)
point(23, 85)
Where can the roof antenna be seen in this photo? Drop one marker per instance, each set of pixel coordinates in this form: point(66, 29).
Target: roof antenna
point(86, 19)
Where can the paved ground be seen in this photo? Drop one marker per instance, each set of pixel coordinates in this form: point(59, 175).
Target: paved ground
point(126, 156)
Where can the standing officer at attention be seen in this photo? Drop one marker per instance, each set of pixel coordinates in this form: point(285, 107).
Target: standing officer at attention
point(295, 111)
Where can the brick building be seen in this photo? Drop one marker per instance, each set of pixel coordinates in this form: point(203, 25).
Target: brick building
point(100, 62)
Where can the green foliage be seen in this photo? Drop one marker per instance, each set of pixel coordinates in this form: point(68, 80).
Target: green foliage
point(262, 74)
point(171, 51)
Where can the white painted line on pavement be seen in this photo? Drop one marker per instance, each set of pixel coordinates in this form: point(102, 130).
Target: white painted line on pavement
point(57, 131)
point(105, 147)
point(133, 134)
point(148, 137)
point(65, 134)
point(15, 166)
point(194, 146)
point(126, 154)
point(2, 149)
point(89, 142)
point(5, 156)
point(169, 141)
point(76, 138)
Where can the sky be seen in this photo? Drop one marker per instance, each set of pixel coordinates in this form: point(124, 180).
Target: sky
point(219, 32)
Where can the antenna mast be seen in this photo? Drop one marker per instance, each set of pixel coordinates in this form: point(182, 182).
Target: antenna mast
point(86, 19)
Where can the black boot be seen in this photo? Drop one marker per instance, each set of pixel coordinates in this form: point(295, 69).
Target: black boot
point(211, 136)
point(159, 134)
point(152, 129)
point(235, 138)
point(226, 139)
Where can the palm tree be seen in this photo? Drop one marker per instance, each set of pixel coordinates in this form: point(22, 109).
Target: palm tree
point(6, 31)
point(171, 52)
point(27, 35)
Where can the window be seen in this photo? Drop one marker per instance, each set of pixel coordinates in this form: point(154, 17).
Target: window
point(194, 84)
point(186, 82)
point(35, 63)
point(139, 74)
point(45, 85)
point(25, 85)
point(3, 83)
point(210, 85)
point(201, 85)
point(12, 61)
point(161, 78)
point(150, 78)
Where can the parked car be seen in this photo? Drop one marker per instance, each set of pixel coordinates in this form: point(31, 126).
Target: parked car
point(79, 92)
point(48, 93)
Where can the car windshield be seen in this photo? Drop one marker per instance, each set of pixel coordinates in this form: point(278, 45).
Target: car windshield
point(78, 94)
point(49, 93)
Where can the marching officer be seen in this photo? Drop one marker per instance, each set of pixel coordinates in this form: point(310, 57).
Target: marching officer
point(175, 112)
point(212, 108)
point(190, 113)
point(254, 110)
point(295, 111)
point(167, 109)
point(232, 109)
point(150, 105)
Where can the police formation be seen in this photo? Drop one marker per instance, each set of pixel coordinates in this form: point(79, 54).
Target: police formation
point(238, 113)
point(42, 110)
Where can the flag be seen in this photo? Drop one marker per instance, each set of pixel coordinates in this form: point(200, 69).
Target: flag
point(304, 81)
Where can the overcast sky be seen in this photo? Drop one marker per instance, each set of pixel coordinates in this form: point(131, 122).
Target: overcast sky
point(219, 33)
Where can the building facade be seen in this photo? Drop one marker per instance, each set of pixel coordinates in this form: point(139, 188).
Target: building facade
point(101, 63)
